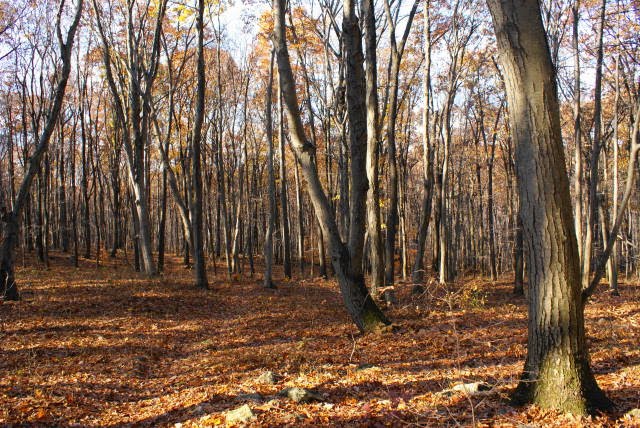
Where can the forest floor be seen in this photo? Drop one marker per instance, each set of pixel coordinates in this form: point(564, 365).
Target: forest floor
point(107, 347)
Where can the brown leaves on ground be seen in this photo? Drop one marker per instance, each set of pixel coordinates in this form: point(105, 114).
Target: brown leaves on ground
point(93, 347)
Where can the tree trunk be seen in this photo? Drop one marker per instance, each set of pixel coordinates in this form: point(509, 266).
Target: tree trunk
point(284, 208)
point(376, 254)
point(417, 275)
point(200, 267)
point(363, 310)
point(557, 372)
point(62, 194)
point(595, 154)
point(577, 133)
point(357, 121)
point(392, 210)
point(8, 286)
point(271, 217)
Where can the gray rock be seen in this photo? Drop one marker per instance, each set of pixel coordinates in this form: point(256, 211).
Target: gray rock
point(300, 395)
point(471, 388)
point(467, 388)
point(267, 377)
point(240, 415)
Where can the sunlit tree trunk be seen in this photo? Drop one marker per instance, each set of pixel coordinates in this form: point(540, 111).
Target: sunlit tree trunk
point(376, 254)
point(363, 310)
point(557, 372)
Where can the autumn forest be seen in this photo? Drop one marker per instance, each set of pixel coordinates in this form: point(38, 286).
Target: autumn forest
point(320, 213)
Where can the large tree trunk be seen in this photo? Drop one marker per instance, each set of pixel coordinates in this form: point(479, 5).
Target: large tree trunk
point(163, 222)
point(136, 154)
point(556, 372)
point(115, 188)
point(363, 310)
point(134, 118)
point(84, 185)
point(444, 268)
point(632, 167)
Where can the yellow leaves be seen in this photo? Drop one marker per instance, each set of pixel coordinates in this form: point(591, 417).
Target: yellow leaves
point(184, 13)
point(212, 420)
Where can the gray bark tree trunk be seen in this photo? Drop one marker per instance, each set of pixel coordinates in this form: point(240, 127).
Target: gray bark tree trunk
point(357, 125)
point(199, 261)
point(557, 372)
point(359, 304)
point(376, 254)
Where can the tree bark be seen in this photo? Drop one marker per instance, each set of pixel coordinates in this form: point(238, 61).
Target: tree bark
point(357, 122)
point(376, 254)
point(363, 310)
point(557, 372)
point(199, 260)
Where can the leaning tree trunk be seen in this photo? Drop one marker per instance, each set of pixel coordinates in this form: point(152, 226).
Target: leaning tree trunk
point(363, 310)
point(557, 372)
point(8, 286)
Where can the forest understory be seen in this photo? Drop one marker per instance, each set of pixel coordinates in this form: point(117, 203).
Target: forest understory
point(107, 347)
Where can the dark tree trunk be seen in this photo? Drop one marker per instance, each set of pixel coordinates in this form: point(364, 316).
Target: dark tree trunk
point(197, 235)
